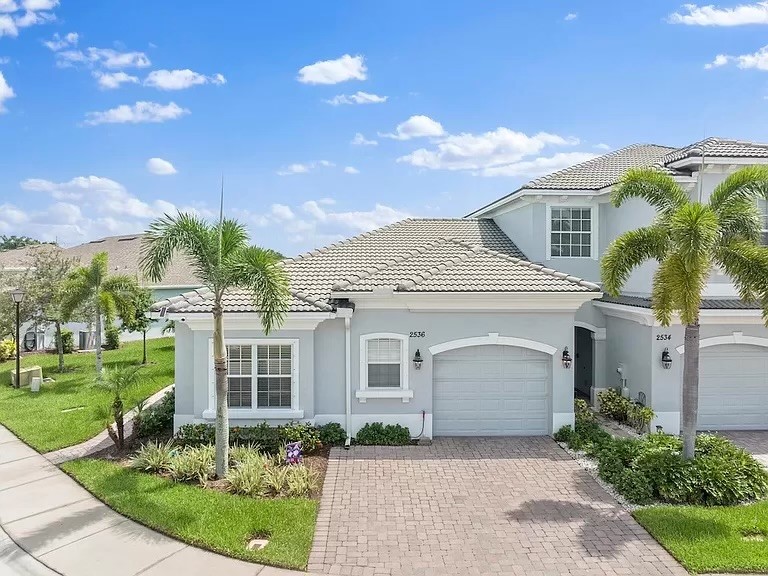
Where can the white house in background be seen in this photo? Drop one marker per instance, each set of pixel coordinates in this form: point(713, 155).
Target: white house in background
point(448, 327)
point(124, 255)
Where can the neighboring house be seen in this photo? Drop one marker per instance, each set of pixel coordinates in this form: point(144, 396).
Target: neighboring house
point(446, 324)
point(124, 255)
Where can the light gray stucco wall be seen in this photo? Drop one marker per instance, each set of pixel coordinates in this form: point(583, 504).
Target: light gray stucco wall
point(330, 367)
point(628, 343)
point(184, 378)
point(523, 226)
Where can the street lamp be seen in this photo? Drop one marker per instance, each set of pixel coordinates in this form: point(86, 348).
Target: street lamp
point(18, 298)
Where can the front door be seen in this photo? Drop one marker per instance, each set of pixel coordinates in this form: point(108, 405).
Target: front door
point(584, 373)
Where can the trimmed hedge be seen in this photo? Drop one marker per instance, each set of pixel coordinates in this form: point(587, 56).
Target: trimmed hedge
point(156, 421)
point(376, 434)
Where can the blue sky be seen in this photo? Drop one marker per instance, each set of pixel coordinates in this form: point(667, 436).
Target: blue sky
point(486, 95)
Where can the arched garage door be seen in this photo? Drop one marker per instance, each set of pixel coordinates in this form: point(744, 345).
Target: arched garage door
point(491, 390)
point(733, 387)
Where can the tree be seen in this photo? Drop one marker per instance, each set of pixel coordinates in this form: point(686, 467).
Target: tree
point(222, 258)
point(106, 295)
point(688, 239)
point(117, 381)
point(140, 321)
point(14, 242)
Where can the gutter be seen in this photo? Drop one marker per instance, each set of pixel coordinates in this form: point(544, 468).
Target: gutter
point(346, 313)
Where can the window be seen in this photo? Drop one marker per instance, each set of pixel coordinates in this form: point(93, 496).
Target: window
point(762, 205)
point(570, 233)
point(384, 363)
point(273, 376)
point(240, 375)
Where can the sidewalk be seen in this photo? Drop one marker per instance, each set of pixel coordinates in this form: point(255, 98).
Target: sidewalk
point(57, 527)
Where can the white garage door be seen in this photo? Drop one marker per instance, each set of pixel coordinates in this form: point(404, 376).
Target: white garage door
point(733, 388)
point(491, 391)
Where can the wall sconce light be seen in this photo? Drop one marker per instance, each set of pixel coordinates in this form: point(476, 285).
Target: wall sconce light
point(666, 359)
point(567, 358)
point(417, 360)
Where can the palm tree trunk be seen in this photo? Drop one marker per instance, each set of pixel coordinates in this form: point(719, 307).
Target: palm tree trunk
point(144, 338)
point(117, 409)
point(59, 346)
point(690, 389)
point(98, 342)
point(222, 409)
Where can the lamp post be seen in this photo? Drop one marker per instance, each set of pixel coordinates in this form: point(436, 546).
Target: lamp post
point(18, 298)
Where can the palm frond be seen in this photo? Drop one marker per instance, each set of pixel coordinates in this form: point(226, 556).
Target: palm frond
point(747, 264)
point(740, 219)
point(662, 297)
point(658, 189)
point(234, 236)
point(749, 183)
point(122, 289)
point(77, 290)
point(694, 232)
point(260, 272)
point(678, 286)
point(629, 251)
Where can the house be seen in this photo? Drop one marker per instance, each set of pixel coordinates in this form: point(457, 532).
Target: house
point(124, 253)
point(484, 325)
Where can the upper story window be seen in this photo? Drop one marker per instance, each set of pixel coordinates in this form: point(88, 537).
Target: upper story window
point(762, 205)
point(270, 381)
point(570, 233)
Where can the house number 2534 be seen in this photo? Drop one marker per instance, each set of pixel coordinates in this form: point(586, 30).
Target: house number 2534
point(663, 337)
point(419, 334)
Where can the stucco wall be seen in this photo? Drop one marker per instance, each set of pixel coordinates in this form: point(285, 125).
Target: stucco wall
point(628, 343)
point(523, 226)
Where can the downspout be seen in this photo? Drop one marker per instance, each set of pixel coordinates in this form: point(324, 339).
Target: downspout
point(348, 380)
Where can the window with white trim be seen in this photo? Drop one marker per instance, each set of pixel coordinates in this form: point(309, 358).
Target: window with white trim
point(762, 205)
point(270, 380)
point(570, 233)
point(384, 362)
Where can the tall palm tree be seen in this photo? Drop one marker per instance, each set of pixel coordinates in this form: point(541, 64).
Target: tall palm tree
point(221, 257)
point(106, 295)
point(689, 239)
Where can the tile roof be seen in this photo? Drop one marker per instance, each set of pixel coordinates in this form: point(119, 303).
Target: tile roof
point(124, 256)
point(718, 147)
point(706, 304)
point(425, 255)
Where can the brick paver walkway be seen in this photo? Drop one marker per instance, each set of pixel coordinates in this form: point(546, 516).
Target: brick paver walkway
point(755, 442)
point(475, 507)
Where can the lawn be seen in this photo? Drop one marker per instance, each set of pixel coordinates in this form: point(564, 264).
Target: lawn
point(62, 413)
point(727, 539)
point(206, 518)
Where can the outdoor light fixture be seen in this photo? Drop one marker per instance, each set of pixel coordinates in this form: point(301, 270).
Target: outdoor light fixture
point(417, 360)
point(567, 358)
point(666, 359)
point(18, 298)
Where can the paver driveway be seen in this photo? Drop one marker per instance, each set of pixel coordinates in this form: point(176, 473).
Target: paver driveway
point(475, 506)
point(755, 442)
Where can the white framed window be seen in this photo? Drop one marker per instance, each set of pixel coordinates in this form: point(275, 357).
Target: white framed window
point(571, 232)
point(762, 205)
point(384, 367)
point(262, 378)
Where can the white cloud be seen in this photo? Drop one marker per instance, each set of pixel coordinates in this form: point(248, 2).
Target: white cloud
point(602, 146)
point(418, 126)
point(539, 166)
point(140, 112)
point(6, 93)
point(334, 71)
point(496, 148)
point(757, 60)
point(8, 6)
point(360, 140)
point(160, 167)
point(351, 170)
point(358, 97)
point(180, 79)
point(60, 42)
point(112, 80)
point(361, 221)
point(103, 58)
point(571, 16)
point(710, 15)
point(30, 18)
point(720, 60)
point(7, 26)
point(298, 168)
point(36, 5)
point(14, 17)
point(282, 212)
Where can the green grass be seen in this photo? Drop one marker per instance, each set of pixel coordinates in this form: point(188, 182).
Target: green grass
point(209, 519)
point(37, 418)
point(711, 539)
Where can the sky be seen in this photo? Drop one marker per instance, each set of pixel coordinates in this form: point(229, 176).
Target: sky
point(329, 119)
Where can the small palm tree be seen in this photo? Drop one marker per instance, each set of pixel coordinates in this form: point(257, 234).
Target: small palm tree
point(222, 258)
point(689, 239)
point(118, 381)
point(91, 287)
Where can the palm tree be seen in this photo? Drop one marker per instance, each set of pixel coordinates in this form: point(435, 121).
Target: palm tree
point(92, 288)
point(117, 381)
point(689, 239)
point(221, 257)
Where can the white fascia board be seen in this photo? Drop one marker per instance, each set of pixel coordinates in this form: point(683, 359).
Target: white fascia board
point(696, 161)
point(476, 301)
point(646, 316)
point(250, 320)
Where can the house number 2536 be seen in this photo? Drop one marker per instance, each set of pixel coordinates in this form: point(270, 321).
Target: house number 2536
point(419, 334)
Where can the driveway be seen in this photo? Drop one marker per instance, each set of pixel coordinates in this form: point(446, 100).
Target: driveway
point(755, 442)
point(473, 507)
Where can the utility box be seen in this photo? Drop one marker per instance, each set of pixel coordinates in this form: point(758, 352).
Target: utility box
point(26, 375)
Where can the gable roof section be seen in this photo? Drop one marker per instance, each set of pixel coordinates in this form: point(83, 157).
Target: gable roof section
point(414, 255)
point(718, 148)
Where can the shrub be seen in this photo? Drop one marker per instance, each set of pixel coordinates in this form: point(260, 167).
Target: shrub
point(583, 411)
point(301, 482)
point(634, 486)
point(306, 433)
point(613, 405)
point(376, 434)
point(588, 436)
point(243, 454)
point(616, 456)
point(157, 420)
point(639, 417)
point(564, 434)
point(332, 434)
point(193, 463)
point(267, 437)
point(248, 479)
point(195, 435)
point(111, 338)
point(7, 349)
point(153, 457)
point(67, 341)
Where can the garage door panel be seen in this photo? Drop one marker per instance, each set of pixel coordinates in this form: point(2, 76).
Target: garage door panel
point(733, 388)
point(491, 390)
